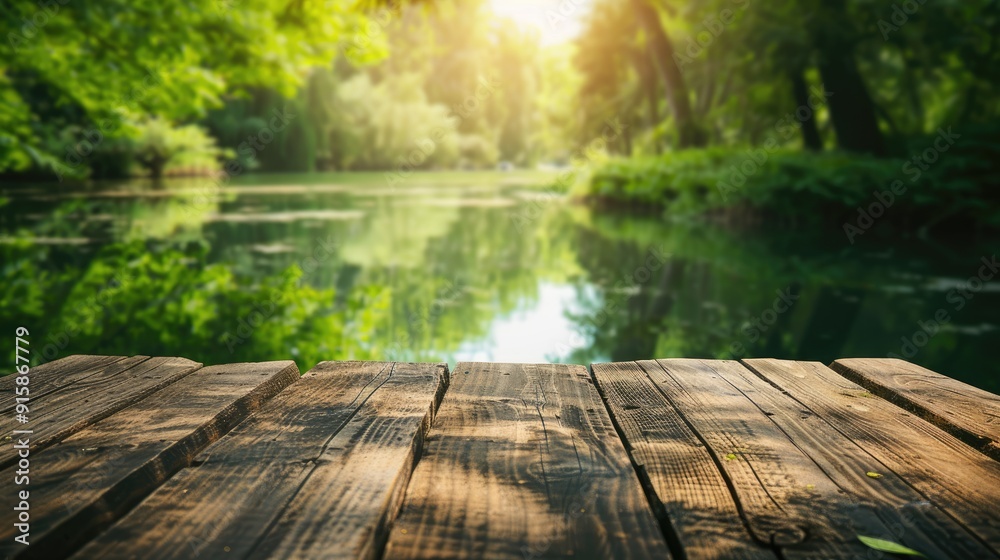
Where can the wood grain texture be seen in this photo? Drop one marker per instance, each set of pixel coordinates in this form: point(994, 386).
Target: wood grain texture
point(948, 473)
point(88, 480)
point(319, 472)
point(682, 478)
point(72, 406)
point(966, 412)
point(886, 507)
point(50, 376)
point(523, 462)
point(787, 500)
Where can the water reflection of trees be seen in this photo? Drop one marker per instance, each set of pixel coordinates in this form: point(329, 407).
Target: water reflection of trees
point(412, 282)
point(717, 284)
point(405, 282)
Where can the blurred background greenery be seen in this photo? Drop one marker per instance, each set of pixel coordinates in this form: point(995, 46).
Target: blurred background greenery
point(488, 172)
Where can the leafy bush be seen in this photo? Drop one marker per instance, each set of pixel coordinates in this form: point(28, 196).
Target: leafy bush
point(160, 146)
point(477, 151)
point(384, 129)
point(800, 187)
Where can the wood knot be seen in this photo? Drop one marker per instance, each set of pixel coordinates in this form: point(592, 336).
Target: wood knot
point(787, 536)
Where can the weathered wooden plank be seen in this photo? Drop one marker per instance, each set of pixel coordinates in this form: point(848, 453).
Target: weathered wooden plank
point(950, 474)
point(966, 412)
point(319, 472)
point(51, 376)
point(524, 462)
point(81, 485)
point(787, 501)
point(901, 513)
point(679, 472)
point(72, 407)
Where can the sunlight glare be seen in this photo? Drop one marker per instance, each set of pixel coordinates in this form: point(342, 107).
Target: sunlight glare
point(555, 21)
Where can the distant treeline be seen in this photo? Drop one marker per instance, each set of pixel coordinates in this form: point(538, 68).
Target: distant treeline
point(799, 111)
point(394, 87)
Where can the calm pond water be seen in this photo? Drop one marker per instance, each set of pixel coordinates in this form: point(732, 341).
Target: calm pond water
point(467, 266)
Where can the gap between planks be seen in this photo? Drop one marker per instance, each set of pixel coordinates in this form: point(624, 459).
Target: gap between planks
point(946, 472)
point(800, 485)
point(968, 413)
point(93, 476)
point(523, 462)
point(319, 471)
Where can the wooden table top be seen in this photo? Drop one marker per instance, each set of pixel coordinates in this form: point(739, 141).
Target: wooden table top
point(139, 457)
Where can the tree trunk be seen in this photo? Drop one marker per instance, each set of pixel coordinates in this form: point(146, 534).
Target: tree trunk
point(851, 109)
point(627, 140)
point(155, 163)
point(647, 73)
point(646, 66)
point(810, 134)
point(649, 93)
point(157, 167)
point(690, 135)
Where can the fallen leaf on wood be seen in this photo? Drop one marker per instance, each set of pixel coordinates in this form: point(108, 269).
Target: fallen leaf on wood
point(888, 546)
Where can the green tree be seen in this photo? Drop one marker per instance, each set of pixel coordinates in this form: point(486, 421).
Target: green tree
point(105, 66)
point(662, 48)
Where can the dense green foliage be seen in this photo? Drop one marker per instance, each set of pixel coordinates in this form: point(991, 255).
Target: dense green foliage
point(448, 272)
point(79, 78)
point(797, 79)
point(848, 118)
point(98, 91)
point(931, 65)
point(457, 91)
point(798, 188)
point(837, 94)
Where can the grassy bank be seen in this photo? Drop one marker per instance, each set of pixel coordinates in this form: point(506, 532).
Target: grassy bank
point(949, 182)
